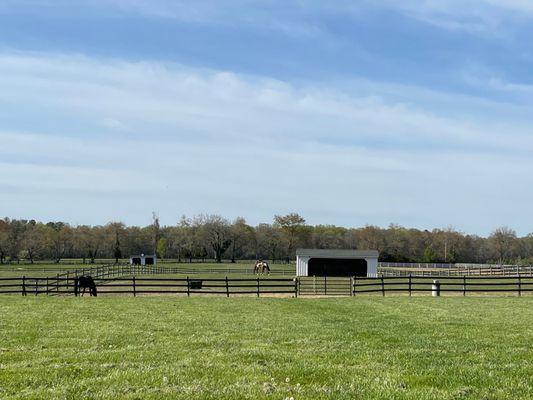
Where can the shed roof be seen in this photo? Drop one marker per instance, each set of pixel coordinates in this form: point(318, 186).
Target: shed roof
point(342, 253)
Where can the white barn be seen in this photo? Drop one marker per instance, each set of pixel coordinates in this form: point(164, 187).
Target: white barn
point(318, 262)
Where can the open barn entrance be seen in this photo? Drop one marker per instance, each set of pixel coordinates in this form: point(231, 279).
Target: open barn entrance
point(149, 261)
point(337, 267)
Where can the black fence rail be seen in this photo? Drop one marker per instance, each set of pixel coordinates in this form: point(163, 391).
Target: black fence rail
point(109, 282)
point(136, 286)
point(410, 285)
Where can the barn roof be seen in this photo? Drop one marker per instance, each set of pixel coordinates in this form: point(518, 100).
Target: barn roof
point(332, 253)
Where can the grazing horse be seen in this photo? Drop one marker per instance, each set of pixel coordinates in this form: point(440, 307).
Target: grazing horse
point(85, 282)
point(260, 267)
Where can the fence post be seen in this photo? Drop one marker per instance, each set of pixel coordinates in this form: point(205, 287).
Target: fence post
point(314, 284)
point(382, 286)
point(24, 285)
point(519, 286)
point(36, 282)
point(464, 285)
point(188, 287)
point(295, 287)
point(57, 284)
point(351, 286)
point(47, 289)
point(227, 287)
point(410, 284)
point(354, 288)
point(134, 288)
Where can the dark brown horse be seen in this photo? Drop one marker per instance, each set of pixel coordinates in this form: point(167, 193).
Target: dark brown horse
point(85, 282)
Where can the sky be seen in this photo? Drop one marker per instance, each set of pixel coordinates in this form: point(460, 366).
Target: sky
point(418, 113)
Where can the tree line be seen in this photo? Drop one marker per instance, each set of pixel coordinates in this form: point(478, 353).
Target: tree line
point(213, 237)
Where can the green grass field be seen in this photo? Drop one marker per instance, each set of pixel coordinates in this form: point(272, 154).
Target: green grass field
point(49, 269)
point(218, 348)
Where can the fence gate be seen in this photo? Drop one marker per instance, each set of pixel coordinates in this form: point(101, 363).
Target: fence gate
point(324, 286)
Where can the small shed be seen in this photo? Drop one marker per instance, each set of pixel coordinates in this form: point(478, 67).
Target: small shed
point(143, 260)
point(318, 262)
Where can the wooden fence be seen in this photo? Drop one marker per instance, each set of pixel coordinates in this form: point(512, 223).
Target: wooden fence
point(145, 286)
point(128, 279)
point(424, 269)
point(414, 284)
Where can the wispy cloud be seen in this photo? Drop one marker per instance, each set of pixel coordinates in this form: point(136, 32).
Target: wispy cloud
point(481, 16)
point(137, 136)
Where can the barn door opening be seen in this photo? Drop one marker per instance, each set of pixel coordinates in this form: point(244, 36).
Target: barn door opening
point(337, 267)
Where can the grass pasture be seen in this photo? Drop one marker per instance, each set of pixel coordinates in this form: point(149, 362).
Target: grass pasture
point(206, 269)
point(237, 348)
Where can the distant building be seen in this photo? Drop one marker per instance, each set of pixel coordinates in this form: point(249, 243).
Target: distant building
point(143, 260)
point(318, 262)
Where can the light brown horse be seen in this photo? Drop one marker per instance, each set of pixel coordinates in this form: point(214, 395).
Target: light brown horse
point(261, 267)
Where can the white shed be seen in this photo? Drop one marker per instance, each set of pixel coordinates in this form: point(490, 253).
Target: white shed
point(143, 260)
point(318, 262)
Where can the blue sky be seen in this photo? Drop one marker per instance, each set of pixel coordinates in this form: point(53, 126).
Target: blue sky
point(348, 112)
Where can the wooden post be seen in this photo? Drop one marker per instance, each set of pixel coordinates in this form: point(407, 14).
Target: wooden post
point(295, 287)
point(519, 286)
point(351, 286)
point(314, 284)
point(24, 285)
point(227, 287)
point(36, 280)
point(410, 285)
point(258, 287)
point(47, 289)
point(134, 289)
point(464, 285)
point(354, 284)
point(188, 287)
point(382, 286)
point(57, 283)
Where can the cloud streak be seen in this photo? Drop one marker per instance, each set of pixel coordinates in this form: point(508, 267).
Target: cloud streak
point(125, 138)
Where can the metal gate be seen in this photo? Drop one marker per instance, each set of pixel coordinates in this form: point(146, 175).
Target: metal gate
point(324, 286)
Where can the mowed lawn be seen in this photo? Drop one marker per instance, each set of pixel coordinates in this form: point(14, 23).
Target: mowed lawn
point(219, 348)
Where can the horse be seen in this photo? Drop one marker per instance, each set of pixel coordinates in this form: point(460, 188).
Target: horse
point(266, 268)
point(260, 267)
point(85, 282)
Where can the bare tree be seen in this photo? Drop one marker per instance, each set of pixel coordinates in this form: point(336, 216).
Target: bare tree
point(156, 231)
point(240, 234)
point(503, 241)
point(292, 225)
point(58, 238)
point(4, 228)
point(215, 231)
point(33, 240)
